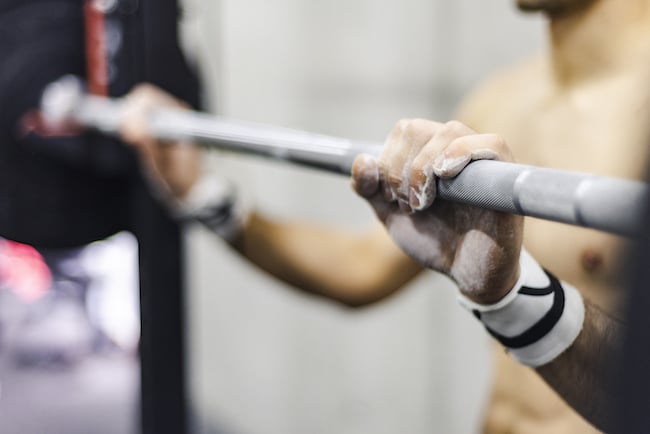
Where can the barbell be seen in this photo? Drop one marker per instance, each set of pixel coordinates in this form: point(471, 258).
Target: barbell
point(604, 203)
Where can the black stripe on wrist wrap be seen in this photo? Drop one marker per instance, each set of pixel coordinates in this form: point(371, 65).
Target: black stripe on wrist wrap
point(542, 327)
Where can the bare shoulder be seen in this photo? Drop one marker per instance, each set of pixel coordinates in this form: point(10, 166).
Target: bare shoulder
point(495, 99)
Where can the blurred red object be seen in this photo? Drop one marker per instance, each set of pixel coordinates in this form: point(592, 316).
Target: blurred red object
point(23, 271)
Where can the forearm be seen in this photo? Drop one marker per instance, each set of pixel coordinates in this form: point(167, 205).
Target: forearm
point(581, 374)
point(354, 269)
point(546, 324)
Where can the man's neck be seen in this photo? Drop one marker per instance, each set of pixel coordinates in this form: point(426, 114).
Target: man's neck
point(599, 39)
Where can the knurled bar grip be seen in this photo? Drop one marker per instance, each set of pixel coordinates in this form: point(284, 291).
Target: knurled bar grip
point(603, 203)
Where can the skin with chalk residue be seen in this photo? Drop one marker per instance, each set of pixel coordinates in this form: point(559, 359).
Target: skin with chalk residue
point(478, 249)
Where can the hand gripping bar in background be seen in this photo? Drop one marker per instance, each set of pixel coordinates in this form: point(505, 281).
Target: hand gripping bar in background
point(603, 203)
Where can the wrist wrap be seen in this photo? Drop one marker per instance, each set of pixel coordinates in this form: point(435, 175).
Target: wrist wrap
point(214, 202)
point(538, 319)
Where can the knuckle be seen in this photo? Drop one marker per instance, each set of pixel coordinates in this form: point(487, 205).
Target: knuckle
point(497, 141)
point(417, 132)
point(500, 146)
point(414, 126)
point(459, 145)
point(402, 125)
point(420, 123)
point(455, 127)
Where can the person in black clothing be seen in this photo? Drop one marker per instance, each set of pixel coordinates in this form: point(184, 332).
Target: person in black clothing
point(59, 193)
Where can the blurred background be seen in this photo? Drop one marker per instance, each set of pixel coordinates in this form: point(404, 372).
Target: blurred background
point(262, 357)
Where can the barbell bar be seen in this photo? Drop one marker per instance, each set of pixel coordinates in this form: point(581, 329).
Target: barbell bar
point(604, 203)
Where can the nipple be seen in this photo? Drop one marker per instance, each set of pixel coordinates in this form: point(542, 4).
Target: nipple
point(591, 259)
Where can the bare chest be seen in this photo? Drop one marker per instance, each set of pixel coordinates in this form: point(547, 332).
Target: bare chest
point(604, 132)
point(590, 260)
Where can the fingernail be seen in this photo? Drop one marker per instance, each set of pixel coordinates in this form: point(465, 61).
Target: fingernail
point(449, 166)
point(387, 192)
point(404, 206)
point(439, 161)
point(414, 199)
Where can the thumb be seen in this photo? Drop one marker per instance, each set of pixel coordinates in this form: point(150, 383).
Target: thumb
point(365, 175)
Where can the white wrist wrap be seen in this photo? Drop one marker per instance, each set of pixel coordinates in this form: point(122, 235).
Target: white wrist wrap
point(214, 202)
point(538, 319)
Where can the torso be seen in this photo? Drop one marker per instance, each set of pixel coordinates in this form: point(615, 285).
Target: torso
point(602, 127)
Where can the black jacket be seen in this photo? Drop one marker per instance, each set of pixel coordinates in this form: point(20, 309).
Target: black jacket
point(68, 192)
